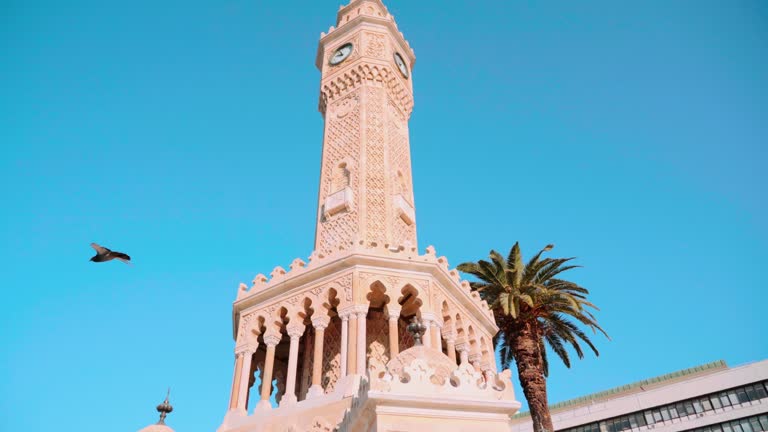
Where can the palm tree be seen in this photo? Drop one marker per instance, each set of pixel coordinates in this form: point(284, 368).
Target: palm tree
point(532, 307)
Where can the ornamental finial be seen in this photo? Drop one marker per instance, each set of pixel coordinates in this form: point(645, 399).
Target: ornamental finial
point(164, 408)
point(417, 329)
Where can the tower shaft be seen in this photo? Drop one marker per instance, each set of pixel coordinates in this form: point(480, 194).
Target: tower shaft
point(366, 183)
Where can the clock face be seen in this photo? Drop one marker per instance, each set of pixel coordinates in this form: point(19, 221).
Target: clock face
point(401, 65)
point(341, 54)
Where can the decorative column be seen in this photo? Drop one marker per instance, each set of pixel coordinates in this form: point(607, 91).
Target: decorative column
point(450, 343)
point(362, 346)
point(427, 318)
point(319, 323)
point(344, 342)
point(295, 331)
point(474, 360)
point(244, 357)
point(437, 342)
point(236, 381)
point(271, 340)
point(463, 349)
point(394, 333)
point(352, 344)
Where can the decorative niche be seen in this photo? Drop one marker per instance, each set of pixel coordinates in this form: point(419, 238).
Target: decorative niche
point(403, 206)
point(341, 198)
point(405, 210)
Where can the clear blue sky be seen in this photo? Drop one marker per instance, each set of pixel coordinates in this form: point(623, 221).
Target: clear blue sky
point(186, 133)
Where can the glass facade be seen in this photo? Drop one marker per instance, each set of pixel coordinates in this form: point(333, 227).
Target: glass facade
point(688, 407)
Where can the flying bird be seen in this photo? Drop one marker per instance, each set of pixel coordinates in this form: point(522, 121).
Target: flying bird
point(103, 254)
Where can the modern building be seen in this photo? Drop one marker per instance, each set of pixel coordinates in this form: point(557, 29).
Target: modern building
point(707, 398)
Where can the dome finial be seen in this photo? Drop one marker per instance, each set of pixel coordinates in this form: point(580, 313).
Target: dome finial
point(164, 408)
point(417, 329)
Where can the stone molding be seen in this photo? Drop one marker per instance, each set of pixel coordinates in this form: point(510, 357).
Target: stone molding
point(465, 386)
point(448, 334)
point(367, 74)
point(428, 317)
point(272, 339)
point(394, 312)
point(295, 330)
point(360, 309)
point(345, 312)
point(245, 350)
point(321, 322)
point(462, 298)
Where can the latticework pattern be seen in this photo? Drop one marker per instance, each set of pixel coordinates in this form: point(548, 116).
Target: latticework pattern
point(342, 144)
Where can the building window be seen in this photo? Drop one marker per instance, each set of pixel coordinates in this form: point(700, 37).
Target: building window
point(689, 407)
point(758, 423)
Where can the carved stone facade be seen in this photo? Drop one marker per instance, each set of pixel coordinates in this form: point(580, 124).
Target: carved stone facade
point(366, 102)
point(327, 337)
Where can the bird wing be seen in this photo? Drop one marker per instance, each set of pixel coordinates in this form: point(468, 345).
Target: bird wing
point(100, 250)
point(122, 257)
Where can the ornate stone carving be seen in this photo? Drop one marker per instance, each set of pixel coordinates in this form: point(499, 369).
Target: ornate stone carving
point(244, 350)
point(331, 356)
point(245, 322)
point(377, 340)
point(343, 83)
point(272, 339)
point(295, 330)
point(342, 143)
point(316, 291)
point(375, 184)
point(320, 322)
point(376, 45)
point(345, 106)
point(405, 339)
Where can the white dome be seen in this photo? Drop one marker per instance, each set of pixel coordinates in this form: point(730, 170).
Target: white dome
point(157, 428)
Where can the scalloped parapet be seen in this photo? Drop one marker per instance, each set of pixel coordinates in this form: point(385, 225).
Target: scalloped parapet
point(316, 260)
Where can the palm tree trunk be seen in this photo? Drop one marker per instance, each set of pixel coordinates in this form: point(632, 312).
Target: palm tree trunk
point(530, 370)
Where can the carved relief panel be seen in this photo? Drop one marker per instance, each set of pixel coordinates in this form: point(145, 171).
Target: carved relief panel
point(338, 219)
point(375, 45)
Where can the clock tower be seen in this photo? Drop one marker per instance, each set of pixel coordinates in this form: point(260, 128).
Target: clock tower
point(368, 334)
point(366, 98)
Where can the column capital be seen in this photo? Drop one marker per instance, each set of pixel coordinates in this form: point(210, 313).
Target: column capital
point(346, 311)
point(462, 347)
point(474, 357)
point(272, 339)
point(245, 350)
point(295, 330)
point(321, 322)
point(428, 317)
point(485, 366)
point(448, 334)
point(361, 309)
point(394, 310)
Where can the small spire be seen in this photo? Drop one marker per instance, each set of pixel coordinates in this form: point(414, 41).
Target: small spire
point(164, 408)
point(417, 329)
